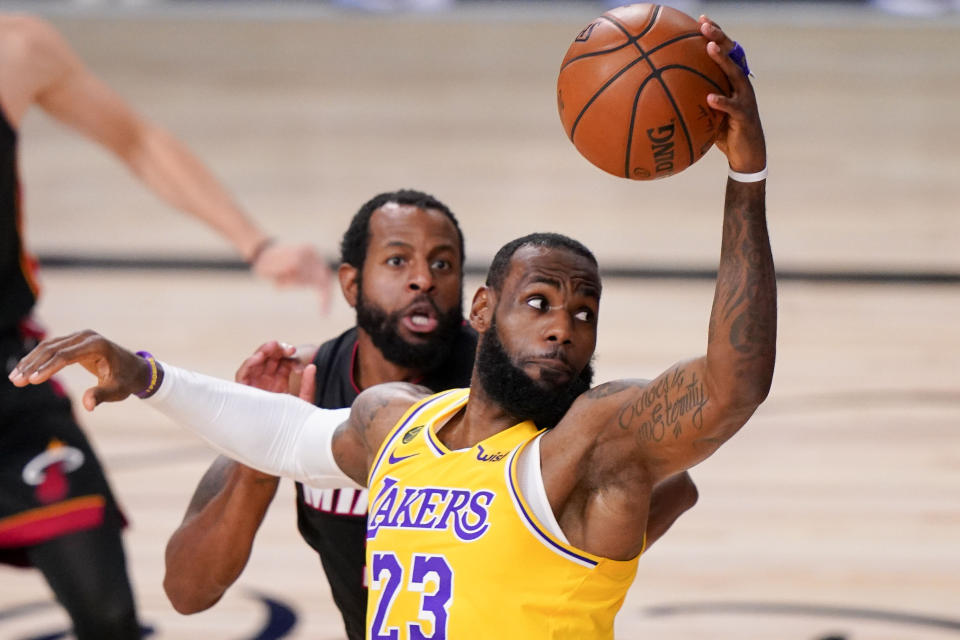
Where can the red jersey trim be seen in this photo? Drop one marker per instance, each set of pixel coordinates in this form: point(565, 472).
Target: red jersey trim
point(353, 364)
point(41, 524)
point(353, 368)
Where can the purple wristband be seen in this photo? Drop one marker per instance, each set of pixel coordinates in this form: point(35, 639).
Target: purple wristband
point(156, 375)
point(739, 57)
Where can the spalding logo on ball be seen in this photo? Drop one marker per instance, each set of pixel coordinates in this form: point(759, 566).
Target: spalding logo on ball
point(633, 89)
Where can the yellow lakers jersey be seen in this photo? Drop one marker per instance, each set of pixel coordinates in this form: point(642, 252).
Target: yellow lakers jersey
point(454, 551)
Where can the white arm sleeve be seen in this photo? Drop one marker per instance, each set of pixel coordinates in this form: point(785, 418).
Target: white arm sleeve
point(275, 433)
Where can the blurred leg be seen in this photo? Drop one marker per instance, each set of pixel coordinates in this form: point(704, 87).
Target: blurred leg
point(87, 571)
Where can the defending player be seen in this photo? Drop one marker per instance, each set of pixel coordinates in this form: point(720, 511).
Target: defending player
point(527, 467)
point(57, 512)
point(401, 269)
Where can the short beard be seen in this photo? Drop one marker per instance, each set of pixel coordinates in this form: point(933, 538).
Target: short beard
point(424, 356)
point(519, 394)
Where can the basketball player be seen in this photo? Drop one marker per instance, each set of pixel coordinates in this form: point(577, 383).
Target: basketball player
point(56, 509)
point(401, 269)
point(529, 467)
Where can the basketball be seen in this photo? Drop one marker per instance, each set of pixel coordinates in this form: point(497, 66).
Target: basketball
point(632, 92)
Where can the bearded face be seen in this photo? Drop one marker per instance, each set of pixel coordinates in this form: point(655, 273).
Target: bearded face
point(424, 350)
point(409, 290)
point(543, 401)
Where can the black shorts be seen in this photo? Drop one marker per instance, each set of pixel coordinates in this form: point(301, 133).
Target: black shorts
point(51, 482)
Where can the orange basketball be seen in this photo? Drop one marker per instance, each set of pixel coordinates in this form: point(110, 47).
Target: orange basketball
point(633, 88)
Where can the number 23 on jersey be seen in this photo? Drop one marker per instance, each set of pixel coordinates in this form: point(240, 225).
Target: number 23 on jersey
point(410, 602)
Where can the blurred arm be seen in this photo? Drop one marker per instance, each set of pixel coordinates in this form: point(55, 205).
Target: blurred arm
point(44, 70)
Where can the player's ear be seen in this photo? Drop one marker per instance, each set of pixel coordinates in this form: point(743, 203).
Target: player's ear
point(481, 309)
point(348, 275)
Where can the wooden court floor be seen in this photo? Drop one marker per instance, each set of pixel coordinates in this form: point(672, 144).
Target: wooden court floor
point(835, 513)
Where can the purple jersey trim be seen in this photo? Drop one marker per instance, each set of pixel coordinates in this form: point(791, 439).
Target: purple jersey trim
point(388, 445)
point(432, 441)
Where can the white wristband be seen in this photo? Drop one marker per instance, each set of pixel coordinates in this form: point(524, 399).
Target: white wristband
point(748, 177)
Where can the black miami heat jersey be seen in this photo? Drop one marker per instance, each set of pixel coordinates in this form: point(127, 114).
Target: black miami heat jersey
point(18, 289)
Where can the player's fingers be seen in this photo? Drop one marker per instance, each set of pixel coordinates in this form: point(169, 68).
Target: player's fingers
point(734, 73)
point(89, 399)
point(49, 357)
point(95, 395)
point(308, 382)
point(737, 79)
point(712, 31)
point(268, 346)
point(41, 353)
point(280, 357)
point(271, 365)
point(249, 367)
point(294, 381)
point(276, 350)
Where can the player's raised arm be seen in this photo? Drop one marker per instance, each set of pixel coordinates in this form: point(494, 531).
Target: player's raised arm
point(681, 417)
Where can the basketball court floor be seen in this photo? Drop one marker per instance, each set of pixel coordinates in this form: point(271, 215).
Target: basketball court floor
point(835, 513)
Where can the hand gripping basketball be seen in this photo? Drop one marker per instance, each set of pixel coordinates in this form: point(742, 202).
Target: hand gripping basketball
point(632, 91)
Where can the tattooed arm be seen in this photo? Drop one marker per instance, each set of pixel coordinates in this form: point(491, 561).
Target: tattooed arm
point(373, 414)
point(686, 413)
point(620, 440)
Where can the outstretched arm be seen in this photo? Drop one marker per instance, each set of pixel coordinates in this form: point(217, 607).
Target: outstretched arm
point(272, 432)
point(38, 66)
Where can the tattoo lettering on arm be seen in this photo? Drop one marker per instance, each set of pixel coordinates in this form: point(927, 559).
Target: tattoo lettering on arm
point(373, 414)
point(371, 410)
point(386, 402)
point(668, 406)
